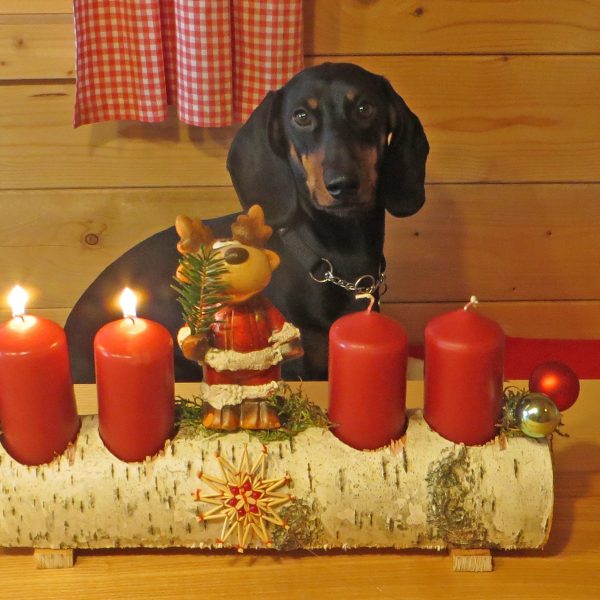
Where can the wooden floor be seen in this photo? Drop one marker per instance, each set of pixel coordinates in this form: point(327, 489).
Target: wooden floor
point(569, 568)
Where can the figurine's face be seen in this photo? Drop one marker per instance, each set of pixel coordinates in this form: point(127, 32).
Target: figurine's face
point(248, 269)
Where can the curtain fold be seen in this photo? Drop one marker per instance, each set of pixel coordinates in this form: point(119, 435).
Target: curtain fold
point(214, 59)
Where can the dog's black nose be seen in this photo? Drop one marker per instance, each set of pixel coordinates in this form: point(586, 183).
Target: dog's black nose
point(342, 187)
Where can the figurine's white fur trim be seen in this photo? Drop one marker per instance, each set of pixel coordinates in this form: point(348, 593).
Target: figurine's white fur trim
point(230, 360)
point(257, 360)
point(183, 333)
point(220, 395)
point(286, 334)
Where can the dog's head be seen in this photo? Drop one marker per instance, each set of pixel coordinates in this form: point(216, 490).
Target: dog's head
point(336, 138)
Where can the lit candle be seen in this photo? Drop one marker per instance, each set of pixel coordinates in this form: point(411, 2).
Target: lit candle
point(135, 384)
point(464, 359)
point(38, 414)
point(367, 379)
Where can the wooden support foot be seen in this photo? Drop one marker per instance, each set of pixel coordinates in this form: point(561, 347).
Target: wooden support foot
point(474, 561)
point(50, 558)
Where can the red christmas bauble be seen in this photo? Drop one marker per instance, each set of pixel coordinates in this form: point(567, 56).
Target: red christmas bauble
point(558, 381)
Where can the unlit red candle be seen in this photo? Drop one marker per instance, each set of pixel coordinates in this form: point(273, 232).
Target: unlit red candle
point(135, 386)
point(38, 414)
point(464, 359)
point(367, 379)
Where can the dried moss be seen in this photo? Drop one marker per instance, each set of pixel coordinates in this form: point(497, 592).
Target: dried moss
point(304, 527)
point(188, 418)
point(511, 398)
point(450, 483)
point(296, 413)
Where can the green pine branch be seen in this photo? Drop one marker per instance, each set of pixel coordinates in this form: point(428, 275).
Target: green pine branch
point(203, 294)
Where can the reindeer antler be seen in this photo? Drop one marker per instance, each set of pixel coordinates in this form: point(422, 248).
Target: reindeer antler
point(193, 234)
point(251, 229)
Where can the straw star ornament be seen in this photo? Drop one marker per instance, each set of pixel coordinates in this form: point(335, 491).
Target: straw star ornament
point(244, 500)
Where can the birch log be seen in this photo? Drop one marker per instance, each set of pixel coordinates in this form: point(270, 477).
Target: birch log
point(423, 492)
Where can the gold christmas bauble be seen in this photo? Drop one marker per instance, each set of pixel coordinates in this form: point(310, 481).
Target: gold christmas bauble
point(537, 415)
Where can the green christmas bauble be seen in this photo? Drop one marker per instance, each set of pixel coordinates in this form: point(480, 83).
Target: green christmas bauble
point(537, 415)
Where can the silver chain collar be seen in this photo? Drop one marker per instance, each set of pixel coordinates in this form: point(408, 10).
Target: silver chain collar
point(365, 284)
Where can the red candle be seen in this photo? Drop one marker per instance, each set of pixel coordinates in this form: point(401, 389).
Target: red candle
point(135, 384)
point(38, 414)
point(367, 379)
point(464, 359)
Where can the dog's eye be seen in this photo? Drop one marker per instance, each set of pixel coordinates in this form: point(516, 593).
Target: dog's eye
point(302, 118)
point(365, 110)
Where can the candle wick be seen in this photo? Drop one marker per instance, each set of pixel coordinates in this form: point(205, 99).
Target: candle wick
point(132, 318)
point(21, 316)
point(473, 302)
point(369, 296)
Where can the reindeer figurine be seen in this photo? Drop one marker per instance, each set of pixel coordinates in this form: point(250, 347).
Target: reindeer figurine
point(248, 338)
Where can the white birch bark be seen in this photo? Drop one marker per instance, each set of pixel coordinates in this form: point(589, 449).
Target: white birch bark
point(431, 494)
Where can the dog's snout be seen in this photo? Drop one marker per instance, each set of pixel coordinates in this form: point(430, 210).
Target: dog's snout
point(342, 187)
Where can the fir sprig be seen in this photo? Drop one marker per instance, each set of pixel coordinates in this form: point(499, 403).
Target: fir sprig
point(202, 292)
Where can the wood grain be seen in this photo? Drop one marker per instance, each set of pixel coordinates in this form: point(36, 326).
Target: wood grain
point(498, 119)
point(527, 251)
point(500, 242)
point(451, 26)
point(65, 238)
point(46, 558)
point(535, 319)
point(474, 561)
point(37, 47)
point(40, 149)
point(338, 27)
point(568, 568)
point(35, 6)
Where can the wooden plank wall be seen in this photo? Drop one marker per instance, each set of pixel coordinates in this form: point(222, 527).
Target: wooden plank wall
point(507, 92)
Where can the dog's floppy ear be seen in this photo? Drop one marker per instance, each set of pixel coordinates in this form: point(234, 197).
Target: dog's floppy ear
point(258, 164)
point(402, 171)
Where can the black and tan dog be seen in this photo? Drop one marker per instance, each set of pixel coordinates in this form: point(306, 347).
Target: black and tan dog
point(325, 156)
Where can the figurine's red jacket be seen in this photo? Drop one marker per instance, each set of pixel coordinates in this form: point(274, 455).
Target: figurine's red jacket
point(245, 327)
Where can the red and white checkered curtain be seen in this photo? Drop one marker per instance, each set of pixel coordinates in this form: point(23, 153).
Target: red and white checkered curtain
point(214, 59)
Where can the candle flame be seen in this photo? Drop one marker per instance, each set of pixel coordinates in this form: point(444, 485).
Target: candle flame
point(128, 303)
point(17, 300)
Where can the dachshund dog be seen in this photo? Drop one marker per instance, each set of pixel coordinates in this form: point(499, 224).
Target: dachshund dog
point(325, 156)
